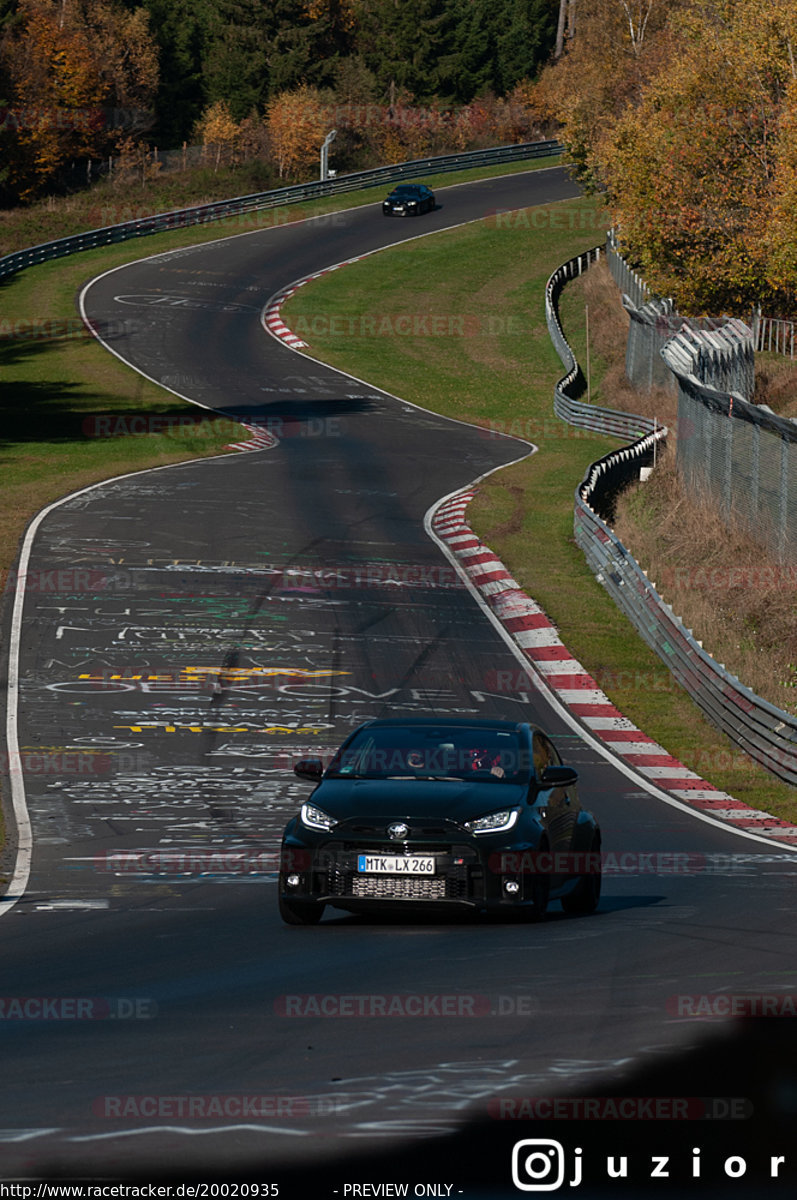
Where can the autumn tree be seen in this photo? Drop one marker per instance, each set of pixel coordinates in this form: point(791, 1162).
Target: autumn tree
point(693, 170)
point(297, 124)
point(217, 129)
point(613, 48)
point(779, 235)
point(80, 72)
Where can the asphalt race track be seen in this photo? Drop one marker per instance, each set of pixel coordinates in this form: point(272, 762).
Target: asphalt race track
point(188, 632)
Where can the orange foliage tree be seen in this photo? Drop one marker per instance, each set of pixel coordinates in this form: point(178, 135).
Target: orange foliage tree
point(216, 128)
point(779, 238)
point(603, 70)
point(685, 115)
point(297, 123)
point(692, 169)
point(80, 71)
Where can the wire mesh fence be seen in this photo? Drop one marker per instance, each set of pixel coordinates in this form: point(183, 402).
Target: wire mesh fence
point(741, 453)
point(725, 436)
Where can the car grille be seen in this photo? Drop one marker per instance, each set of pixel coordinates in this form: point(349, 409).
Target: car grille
point(451, 883)
point(385, 887)
point(458, 875)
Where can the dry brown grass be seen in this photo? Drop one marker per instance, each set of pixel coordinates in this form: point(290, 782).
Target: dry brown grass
point(608, 330)
point(735, 597)
point(776, 383)
point(725, 587)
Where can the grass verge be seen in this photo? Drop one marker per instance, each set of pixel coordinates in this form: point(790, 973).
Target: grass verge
point(490, 279)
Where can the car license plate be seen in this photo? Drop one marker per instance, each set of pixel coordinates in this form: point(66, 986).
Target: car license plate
point(394, 864)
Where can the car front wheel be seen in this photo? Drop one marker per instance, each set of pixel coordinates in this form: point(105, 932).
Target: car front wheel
point(587, 892)
point(539, 895)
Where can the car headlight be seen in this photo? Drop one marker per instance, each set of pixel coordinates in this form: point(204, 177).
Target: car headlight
point(497, 822)
point(316, 818)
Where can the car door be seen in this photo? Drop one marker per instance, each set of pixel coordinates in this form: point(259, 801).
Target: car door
point(559, 806)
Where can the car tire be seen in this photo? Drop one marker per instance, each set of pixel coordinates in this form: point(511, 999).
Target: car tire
point(585, 896)
point(300, 912)
point(540, 889)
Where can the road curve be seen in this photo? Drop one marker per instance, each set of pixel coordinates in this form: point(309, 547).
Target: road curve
point(207, 622)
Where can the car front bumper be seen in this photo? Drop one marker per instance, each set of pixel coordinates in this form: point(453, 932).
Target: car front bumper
point(466, 875)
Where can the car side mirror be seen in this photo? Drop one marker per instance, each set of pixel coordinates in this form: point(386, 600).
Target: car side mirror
point(558, 777)
point(309, 768)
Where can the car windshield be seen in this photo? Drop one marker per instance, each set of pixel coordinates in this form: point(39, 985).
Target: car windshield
point(405, 190)
point(407, 752)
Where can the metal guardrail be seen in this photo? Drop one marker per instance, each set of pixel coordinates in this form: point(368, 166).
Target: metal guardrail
point(204, 213)
point(628, 280)
point(566, 404)
point(774, 335)
point(767, 733)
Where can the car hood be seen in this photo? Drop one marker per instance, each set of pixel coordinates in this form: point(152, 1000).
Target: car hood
point(403, 799)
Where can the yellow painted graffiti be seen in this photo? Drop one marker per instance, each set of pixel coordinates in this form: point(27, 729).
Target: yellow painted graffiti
point(198, 674)
point(153, 726)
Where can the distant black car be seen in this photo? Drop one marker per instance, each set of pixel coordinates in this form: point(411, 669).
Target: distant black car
point(408, 200)
point(452, 814)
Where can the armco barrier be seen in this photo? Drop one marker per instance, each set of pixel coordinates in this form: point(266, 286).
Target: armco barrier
point(565, 402)
point(767, 733)
point(204, 213)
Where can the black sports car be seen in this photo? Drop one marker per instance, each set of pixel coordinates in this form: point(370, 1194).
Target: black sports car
point(459, 814)
point(408, 200)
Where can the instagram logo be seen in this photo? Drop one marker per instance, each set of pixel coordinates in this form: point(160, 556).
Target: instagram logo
point(538, 1165)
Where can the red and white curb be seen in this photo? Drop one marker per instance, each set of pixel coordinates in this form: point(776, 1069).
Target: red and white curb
point(262, 439)
point(274, 323)
point(272, 317)
point(574, 687)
